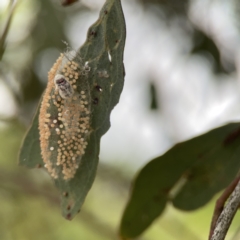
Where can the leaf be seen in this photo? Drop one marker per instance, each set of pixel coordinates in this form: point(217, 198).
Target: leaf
point(153, 96)
point(205, 46)
point(103, 50)
point(171, 8)
point(68, 2)
point(206, 164)
point(30, 153)
point(12, 7)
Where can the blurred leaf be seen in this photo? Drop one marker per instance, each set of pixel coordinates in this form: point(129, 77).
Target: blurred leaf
point(207, 164)
point(47, 33)
point(153, 95)
point(103, 50)
point(32, 89)
point(68, 2)
point(12, 7)
point(171, 7)
point(49, 27)
point(10, 138)
point(205, 46)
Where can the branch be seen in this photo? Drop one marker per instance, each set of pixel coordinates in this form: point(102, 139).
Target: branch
point(226, 217)
point(220, 204)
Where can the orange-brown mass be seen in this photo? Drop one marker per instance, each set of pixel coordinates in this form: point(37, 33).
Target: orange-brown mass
point(64, 121)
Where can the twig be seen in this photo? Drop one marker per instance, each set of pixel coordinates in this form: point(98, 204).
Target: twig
point(226, 217)
point(220, 204)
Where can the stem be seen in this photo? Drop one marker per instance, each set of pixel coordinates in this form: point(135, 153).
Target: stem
point(220, 204)
point(226, 217)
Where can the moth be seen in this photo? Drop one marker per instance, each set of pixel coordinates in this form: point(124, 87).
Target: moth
point(64, 87)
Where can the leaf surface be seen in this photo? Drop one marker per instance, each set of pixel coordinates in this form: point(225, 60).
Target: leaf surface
point(103, 50)
point(206, 164)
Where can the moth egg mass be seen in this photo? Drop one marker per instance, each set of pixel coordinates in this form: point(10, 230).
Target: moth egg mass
point(63, 138)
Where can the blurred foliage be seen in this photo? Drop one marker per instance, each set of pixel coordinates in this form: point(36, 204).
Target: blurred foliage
point(45, 33)
point(189, 175)
point(29, 203)
point(11, 8)
point(153, 97)
point(171, 8)
point(205, 46)
point(68, 2)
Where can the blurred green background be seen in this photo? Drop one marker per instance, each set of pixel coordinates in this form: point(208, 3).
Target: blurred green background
point(182, 79)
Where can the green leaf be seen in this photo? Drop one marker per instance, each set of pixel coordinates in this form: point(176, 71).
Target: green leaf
point(30, 153)
point(204, 164)
point(12, 7)
point(105, 82)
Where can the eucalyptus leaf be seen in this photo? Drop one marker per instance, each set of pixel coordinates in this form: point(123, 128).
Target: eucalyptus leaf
point(204, 165)
point(103, 54)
